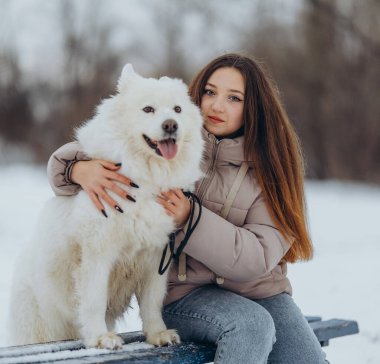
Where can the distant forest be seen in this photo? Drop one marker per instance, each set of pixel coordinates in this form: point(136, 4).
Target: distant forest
point(326, 65)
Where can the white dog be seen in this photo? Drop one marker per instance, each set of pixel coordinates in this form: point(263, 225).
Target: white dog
point(79, 272)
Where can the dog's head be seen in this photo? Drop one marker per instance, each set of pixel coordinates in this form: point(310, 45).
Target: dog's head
point(151, 119)
point(159, 117)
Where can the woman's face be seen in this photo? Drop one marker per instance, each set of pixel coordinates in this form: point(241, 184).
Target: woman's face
point(223, 101)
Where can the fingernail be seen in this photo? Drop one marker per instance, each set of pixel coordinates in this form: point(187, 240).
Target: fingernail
point(134, 185)
point(117, 164)
point(130, 198)
point(104, 213)
point(118, 209)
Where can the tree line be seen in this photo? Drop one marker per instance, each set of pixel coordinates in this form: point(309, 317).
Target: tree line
point(325, 63)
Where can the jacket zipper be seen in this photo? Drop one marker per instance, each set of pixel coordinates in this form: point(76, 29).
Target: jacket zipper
point(210, 171)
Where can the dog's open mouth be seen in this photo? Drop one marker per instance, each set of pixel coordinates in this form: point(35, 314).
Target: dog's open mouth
point(166, 148)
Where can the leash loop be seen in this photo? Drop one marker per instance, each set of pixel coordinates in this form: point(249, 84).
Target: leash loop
point(190, 228)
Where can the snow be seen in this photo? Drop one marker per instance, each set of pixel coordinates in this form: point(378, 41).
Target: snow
point(340, 282)
point(68, 354)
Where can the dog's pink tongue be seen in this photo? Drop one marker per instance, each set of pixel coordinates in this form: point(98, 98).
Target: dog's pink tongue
point(168, 148)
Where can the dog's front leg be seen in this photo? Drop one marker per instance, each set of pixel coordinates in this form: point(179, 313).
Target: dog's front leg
point(93, 294)
point(151, 297)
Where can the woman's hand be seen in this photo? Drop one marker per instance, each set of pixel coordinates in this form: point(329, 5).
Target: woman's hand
point(176, 205)
point(96, 176)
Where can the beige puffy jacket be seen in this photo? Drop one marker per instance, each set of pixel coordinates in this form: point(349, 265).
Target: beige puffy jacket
point(246, 248)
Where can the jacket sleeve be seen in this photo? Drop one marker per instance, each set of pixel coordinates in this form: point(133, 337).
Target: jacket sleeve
point(59, 169)
point(237, 253)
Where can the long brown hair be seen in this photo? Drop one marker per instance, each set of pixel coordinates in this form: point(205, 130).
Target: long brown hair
point(271, 142)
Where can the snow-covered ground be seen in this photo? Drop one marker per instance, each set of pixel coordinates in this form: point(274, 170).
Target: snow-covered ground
point(341, 282)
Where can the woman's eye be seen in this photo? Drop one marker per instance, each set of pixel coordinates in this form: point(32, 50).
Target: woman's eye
point(208, 92)
point(148, 109)
point(235, 98)
point(177, 109)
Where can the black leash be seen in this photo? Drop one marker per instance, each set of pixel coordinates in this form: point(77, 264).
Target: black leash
point(190, 228)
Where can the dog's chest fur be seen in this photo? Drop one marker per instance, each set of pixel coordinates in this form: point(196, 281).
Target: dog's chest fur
point(135, 239)
point(127, 277)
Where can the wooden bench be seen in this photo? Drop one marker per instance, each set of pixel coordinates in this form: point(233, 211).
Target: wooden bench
point(136, 351)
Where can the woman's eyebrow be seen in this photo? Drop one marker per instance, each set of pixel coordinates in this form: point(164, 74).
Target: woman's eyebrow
point(242, 93)
point(231, 90)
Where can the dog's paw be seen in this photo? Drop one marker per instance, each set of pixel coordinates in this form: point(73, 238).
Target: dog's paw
point(161, 338)
point(106, 341)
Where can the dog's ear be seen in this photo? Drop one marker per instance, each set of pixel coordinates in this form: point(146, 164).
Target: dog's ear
point(127, 70)
point(127, 74)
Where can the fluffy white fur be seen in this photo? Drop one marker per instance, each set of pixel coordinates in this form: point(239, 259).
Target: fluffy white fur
point(76, 277)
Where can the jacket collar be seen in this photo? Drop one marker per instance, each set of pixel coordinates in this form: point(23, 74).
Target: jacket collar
point(229, 150)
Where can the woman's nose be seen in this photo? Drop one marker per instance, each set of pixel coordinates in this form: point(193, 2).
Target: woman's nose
point(217, 105)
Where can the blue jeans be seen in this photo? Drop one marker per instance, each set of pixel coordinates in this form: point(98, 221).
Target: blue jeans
point(270, 330)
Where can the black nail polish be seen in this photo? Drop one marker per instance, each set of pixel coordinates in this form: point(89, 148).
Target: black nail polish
point(134, 185)
point(130, 198)
point(104, 213)
point(119, 209)
point(117, 164)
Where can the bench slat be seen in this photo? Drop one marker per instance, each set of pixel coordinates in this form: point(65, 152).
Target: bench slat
point(313, 318)
point(56, 346)
point(136, 351)
point(183, 353)
point(325, 330)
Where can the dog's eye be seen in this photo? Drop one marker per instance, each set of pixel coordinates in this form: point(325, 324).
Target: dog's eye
point(177, 109)
point(148, 109)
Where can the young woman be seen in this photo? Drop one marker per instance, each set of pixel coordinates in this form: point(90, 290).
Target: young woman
point(230, 288)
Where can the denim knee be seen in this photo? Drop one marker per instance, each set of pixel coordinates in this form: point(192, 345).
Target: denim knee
point(247, 338)
point(253, 326)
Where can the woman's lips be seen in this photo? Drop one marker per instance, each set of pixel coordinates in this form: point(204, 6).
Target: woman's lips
point(215, 119)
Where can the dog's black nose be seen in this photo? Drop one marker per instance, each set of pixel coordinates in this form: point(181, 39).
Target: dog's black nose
point(170, 126)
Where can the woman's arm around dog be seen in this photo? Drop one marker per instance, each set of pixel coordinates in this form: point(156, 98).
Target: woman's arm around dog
point(69, 170)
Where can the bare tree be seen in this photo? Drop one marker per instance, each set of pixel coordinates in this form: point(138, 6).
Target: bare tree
point(89, 74)
point(16, 118)
point(326, 68)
